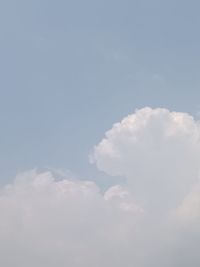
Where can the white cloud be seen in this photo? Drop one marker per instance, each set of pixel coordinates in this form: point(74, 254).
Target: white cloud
point(45, 222)
point(156, 150)
point(188, 213)
point(153, 220)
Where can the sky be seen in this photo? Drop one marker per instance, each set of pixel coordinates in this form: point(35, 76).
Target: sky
point(70, 69)
point(88, 91)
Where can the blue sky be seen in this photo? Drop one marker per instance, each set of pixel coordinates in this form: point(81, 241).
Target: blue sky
point(70, 69)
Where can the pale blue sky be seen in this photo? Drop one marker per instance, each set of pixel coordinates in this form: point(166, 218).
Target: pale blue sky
point(70, 69)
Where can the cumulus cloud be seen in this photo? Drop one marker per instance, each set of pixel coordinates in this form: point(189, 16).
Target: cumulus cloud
point(156, 150)
point(45, 222)
point(151, 220)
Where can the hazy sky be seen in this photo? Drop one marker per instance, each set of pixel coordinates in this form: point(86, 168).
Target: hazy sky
point(69, 71)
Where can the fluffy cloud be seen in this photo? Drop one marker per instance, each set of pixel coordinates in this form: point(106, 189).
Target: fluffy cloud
point(157, 151)
point(152, 220)
point(45, 222)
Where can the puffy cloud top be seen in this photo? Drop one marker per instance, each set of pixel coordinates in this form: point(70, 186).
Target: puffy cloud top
point(158, 151)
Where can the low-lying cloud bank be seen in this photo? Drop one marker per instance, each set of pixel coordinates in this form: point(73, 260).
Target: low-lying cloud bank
point(152, 220)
